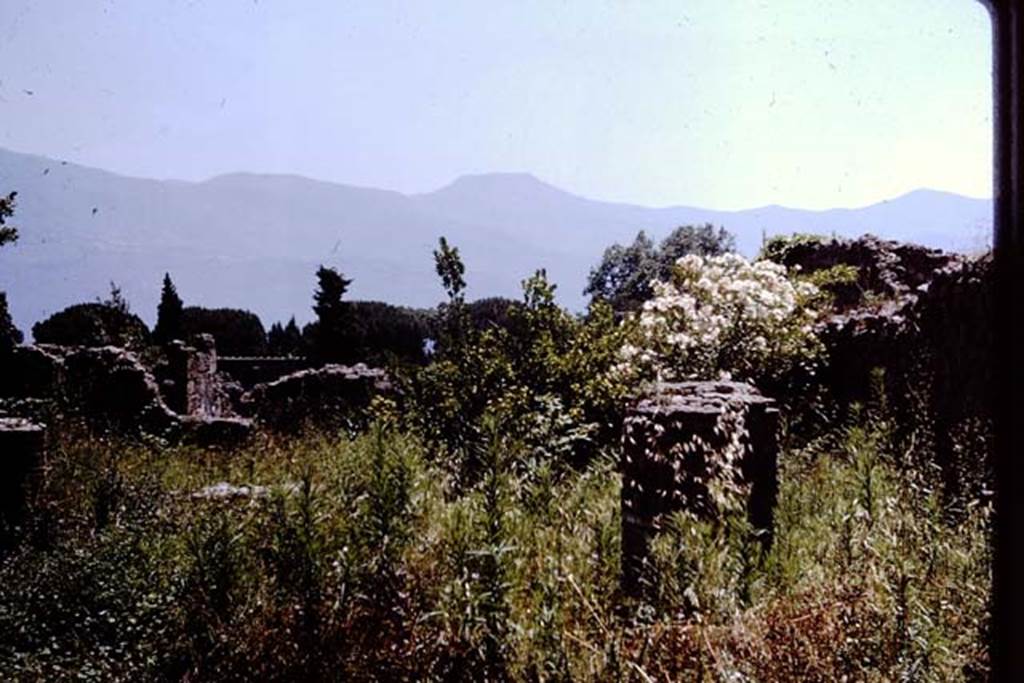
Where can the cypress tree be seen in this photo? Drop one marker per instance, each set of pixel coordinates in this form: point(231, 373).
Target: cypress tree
point(330, 313)
point(168, 313)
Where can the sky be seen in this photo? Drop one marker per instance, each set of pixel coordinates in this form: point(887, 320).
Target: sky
point(723, 104)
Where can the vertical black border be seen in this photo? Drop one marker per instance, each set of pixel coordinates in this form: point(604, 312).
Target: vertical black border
point(1008, 571)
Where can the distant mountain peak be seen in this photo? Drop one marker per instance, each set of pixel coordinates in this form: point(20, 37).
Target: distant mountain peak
point(517, 183)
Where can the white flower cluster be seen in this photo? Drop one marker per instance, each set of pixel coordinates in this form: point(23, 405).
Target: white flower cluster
point(723, 317)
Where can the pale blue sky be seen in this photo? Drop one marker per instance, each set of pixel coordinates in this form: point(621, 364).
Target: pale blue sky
point(715, 103)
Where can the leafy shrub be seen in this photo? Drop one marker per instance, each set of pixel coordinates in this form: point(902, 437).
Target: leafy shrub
point(544, 376)
point(724, 316)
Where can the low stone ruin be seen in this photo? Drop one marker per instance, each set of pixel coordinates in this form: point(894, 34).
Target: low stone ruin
point(110, 388)
point(184, 397)
point(334, 395)
point(22, 450)
point(248, 371)
point(886, 270)
point(698, 447)
point(926, 319)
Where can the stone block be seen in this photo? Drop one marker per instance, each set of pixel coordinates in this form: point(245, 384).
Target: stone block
point(22, 452)
point(695, 446)
point(216, 432)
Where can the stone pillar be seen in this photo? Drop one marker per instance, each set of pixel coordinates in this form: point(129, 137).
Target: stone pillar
point(192, 386)
point(202, 378)
point(175, 384)
point(684, 437)
point(22, 451)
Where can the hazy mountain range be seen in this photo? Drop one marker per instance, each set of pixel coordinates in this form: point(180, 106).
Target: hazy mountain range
point(254, 241)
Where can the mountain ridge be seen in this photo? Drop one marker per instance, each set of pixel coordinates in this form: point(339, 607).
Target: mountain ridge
point(254, 240)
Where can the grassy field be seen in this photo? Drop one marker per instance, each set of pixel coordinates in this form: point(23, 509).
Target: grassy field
point(360, 559)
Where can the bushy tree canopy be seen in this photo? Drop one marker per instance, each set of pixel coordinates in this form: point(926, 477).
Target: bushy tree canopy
point(236, 332)
point(494, 311)
point(624, 276)
point(92, 324)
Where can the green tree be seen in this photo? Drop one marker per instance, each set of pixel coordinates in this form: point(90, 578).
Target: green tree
point(8, 233)
point(168, 313)
point(623, 278)
point(330, 312)
point(10, 336)
point(284, 340)
point(92, 324)
point(236, 332)
point(703, 240)
point(453, 315)
point(624, 274)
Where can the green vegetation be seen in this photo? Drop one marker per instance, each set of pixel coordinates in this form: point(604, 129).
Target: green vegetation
point(366, 559)
point(544, 377)
point(10, 336)
point(623, 278)
point(95, 324)
point(8, 233)
point(236, 332)
point(169, 314)
point(471, 530)
point(777, 248)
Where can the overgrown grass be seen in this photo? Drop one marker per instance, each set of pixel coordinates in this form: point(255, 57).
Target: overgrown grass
point(361, 560)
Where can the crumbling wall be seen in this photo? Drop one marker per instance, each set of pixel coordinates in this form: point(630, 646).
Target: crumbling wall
point(695, 446)
point(250, 371)
point(886, 269)
point(333, 396)
point(31, 372)
point(110, 388)
point(924, 318)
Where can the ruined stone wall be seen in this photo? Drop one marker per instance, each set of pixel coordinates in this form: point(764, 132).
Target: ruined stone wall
point(250, 371)
point(332, 396)
point(111, 389)
point(926, 320)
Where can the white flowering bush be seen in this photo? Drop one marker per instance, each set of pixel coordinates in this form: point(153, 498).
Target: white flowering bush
point(724, 317)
